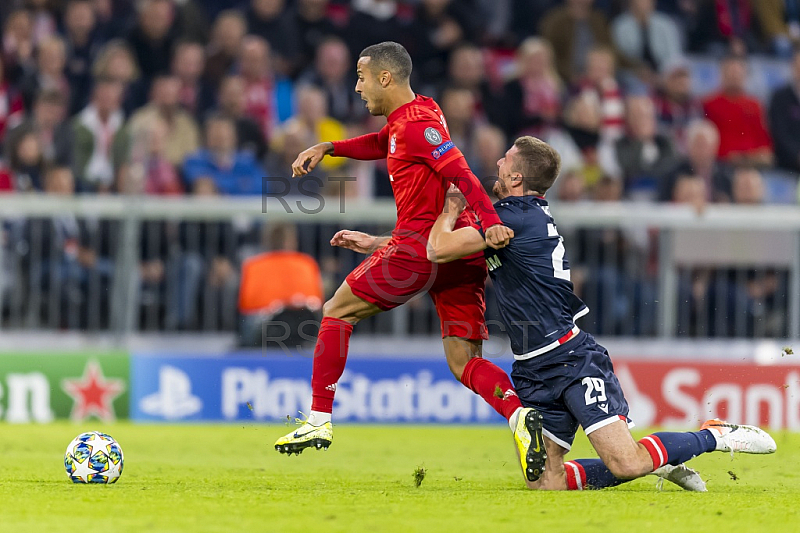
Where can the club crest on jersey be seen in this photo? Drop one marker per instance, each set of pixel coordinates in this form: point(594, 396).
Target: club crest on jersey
point(442, 149)
point(433, 136)
point(393, 145)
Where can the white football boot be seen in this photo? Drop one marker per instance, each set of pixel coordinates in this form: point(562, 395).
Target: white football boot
point(735, 438)
point(681, 475)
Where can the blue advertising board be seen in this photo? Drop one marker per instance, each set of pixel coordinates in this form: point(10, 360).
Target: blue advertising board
point(257, 388)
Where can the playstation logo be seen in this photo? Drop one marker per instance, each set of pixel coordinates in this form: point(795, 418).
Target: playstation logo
point(174, 399)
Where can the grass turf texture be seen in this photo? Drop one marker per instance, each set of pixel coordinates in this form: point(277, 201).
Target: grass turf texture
point(229, 478)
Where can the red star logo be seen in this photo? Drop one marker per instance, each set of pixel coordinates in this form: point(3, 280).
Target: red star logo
point(93, 394)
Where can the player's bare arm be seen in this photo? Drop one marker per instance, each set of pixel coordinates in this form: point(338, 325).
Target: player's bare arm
point(446, 244)
point(360, 242)
point(309, 158)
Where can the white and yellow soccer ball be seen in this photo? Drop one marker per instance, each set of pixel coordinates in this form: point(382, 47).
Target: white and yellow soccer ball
point(94, 457)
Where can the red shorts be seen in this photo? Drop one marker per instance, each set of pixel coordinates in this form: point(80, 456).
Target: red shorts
point(389, 278)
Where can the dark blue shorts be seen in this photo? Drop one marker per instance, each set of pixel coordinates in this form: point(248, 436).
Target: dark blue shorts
point(572, 385)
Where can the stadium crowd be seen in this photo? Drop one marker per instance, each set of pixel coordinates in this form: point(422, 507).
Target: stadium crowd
point(203, 97)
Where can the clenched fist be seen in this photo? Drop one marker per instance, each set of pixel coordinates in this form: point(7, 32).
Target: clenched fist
point(498, 236)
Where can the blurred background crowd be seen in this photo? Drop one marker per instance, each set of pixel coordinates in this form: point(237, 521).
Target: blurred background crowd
point(680, 101)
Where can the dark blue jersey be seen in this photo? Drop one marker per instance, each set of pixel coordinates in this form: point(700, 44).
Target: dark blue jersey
point(531, 275)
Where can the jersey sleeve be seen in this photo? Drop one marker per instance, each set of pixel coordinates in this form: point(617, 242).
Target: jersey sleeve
point(428, 142)
point(365, 147)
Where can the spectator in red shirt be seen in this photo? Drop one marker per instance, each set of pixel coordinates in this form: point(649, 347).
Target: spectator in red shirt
point(744, 138)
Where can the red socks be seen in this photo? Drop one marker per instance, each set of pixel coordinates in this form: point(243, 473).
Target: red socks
point(330, 355)
point(492, 384)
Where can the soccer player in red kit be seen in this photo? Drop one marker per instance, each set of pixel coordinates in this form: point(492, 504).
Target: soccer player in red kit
point(422, 163)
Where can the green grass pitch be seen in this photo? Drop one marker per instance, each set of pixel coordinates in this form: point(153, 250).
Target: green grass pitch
point(228, 478)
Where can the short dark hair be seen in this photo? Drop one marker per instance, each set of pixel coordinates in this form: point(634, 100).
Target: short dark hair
point(538, 162)
point(390, 56)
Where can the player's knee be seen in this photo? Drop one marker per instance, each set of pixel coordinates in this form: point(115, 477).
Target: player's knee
point(334, 308)
point(329, 309)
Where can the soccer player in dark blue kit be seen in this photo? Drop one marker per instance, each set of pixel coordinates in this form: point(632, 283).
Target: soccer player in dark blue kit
point(560, 370)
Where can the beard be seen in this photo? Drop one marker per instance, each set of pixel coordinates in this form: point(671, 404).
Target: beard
point(499, 189)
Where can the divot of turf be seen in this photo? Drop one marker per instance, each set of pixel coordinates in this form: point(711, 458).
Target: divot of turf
point(419, 475)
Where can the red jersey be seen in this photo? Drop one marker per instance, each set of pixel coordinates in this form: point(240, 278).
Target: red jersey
point(741, 124)
point(422, 162)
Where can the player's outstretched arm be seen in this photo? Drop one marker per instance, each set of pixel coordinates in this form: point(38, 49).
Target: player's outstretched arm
point(446, 244)
point(365, 147)
point(357, 241)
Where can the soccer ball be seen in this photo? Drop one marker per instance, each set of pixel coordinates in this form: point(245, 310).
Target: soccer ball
point(93, 457)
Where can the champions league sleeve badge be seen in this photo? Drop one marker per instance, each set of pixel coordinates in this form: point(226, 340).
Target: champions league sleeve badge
point(433, 136)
